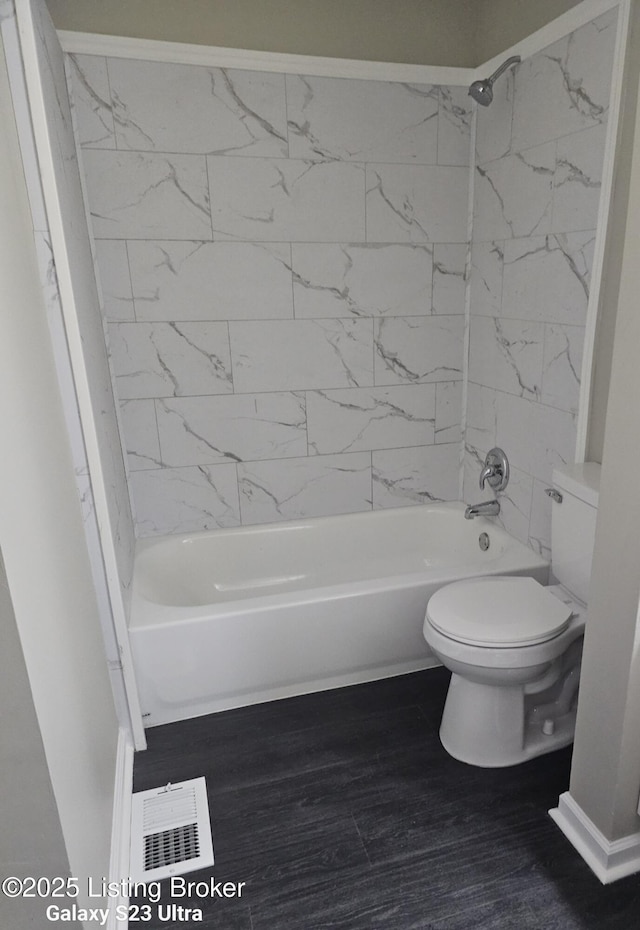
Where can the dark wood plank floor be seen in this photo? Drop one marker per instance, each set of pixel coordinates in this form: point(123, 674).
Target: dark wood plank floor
point(342, 810)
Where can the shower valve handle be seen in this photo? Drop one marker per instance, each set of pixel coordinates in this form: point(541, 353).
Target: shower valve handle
point(495, 471)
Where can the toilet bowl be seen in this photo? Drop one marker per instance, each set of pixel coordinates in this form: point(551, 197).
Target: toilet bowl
point(514, 646)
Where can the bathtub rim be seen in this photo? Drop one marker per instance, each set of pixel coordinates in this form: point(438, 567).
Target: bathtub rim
point(145, 543)
point(147, 614)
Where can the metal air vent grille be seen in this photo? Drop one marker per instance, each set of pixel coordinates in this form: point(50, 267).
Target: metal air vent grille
point(170, 831)
point(171, 846)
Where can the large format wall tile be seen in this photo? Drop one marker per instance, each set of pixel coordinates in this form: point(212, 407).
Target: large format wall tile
point(92, 110)
point(415, 350)
point(186, 108)
point(485, 280)
point(449, 278)
point(115, 279)
point(454, 126)
point(576, 185)
point(547, 277)
point(480, 420)
point(507, 355)
point(314, 486)
point(185, 500)
point(359, 419)
point(362, 121)
point(514, 195)
point(535, 437)
point(565, 88)
point(239, 427)
point(448, 411)
point(211, 280)
point(515, 504)
point(170, 359)
point(562, 366)
point(415, 476)
point(415, 203)
point(473, 464)
point(140, 430)
point(276, 199)
point(294, 355)
point(361, 280)
point(135, 195)
point(493, 125)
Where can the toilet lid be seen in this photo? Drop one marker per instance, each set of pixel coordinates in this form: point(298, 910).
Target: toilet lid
point(498, 612)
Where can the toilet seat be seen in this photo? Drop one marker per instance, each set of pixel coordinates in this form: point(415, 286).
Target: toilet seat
point(498, 612)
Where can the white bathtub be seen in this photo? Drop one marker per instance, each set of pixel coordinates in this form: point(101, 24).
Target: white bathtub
point(239, 616)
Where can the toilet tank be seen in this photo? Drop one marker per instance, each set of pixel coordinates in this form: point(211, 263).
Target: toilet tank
point(573, 526)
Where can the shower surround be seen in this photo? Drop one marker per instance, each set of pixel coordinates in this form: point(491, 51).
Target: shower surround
point(539, 156)
point(283, 266)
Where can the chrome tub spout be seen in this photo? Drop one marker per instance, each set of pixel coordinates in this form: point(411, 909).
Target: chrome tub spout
point(485, 509)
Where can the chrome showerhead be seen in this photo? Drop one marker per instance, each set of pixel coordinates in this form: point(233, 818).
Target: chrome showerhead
point(482, 91)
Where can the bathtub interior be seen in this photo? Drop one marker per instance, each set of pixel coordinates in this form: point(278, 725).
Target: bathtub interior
point(248, 562)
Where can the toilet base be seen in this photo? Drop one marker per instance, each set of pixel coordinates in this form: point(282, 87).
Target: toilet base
point(491, 726)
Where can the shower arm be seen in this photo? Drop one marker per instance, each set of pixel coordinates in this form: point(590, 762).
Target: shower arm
point(514, 60)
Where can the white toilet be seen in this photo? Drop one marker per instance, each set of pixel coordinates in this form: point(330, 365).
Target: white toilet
point(514, 647)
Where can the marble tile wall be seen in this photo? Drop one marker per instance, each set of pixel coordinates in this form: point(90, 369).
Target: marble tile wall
point(539, 155)
point(283, 266)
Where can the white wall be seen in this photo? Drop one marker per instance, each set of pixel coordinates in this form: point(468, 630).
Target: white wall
point(502, 23)
point(610, 288)
point(43, 542)
point(24, 779)
point(461, 33)
point(417, 31)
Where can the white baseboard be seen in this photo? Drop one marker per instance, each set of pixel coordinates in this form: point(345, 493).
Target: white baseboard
point(121, 830)
point(608, 859)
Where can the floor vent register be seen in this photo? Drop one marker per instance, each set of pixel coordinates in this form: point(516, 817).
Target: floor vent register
point(170, 831)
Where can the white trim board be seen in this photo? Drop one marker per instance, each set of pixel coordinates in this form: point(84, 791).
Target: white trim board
point(121, 827)
point(87, 43)
point(608, 859)
point(39, 138)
